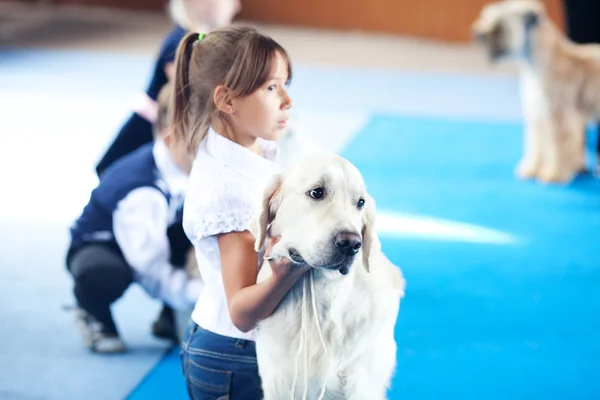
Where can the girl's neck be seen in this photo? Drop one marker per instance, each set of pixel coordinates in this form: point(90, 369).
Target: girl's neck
point(225, 130)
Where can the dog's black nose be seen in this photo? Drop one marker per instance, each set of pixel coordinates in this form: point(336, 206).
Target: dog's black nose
point(348, 243)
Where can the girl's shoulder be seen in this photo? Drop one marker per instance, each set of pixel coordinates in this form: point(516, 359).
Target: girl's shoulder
point(217, 201)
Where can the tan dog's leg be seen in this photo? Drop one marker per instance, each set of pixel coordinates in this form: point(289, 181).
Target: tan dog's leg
point(563, 148)
point(532, 161)
point(535, 129)
point(578, 133)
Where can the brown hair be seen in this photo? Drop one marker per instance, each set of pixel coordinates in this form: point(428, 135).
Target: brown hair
point(163, 115)
point(239, 58)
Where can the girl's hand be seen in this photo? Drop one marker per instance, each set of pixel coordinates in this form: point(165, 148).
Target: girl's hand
point(250, 302)
point(282, 267)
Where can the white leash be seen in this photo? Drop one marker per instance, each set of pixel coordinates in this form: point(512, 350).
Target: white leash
point(303, 333)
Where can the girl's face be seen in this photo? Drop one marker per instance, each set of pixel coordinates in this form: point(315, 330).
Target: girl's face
point(214, 13)
point(264, 113)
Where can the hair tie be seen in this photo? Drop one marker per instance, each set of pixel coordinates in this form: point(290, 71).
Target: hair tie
point(201, 36)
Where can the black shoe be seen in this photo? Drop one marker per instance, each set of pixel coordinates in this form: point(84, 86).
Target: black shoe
point(96, 336)
point(164, 326)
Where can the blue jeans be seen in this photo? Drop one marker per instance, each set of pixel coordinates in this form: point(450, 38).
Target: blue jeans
point(218, 367)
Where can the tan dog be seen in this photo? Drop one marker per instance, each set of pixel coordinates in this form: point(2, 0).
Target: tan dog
point(332, 335)
point(560, 85)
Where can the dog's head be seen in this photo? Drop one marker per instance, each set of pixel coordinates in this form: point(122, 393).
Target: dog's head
point(504, 28)
point(321, 210)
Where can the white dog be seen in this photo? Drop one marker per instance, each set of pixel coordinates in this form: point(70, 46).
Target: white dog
point(560, 85)
point(332, 336)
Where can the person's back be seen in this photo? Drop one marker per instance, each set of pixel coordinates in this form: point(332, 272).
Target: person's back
point(137, 170)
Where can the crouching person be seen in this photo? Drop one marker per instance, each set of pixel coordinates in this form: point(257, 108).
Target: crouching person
point(124, 236)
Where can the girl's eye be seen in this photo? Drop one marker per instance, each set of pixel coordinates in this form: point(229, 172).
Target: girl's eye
point(271, 88)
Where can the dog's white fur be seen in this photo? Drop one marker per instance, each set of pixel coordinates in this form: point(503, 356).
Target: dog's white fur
point(356, 312)
point(560, 85)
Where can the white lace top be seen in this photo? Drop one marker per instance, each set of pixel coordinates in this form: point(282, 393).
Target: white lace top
point(224, 189)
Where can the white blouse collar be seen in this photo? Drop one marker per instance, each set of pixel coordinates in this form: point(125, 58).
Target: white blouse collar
point(240, 158)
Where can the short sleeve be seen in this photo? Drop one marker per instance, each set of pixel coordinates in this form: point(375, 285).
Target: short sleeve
point(221, 204)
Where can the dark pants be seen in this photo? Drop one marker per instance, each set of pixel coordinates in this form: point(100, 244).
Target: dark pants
point(102, 275)
point(583, 24)
point(136, 132)
point(219, 367)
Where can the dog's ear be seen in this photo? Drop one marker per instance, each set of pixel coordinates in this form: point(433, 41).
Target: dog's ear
point(262, 218)
point(369, 235)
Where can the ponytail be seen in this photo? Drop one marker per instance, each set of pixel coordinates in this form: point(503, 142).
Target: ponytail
point(181, 96)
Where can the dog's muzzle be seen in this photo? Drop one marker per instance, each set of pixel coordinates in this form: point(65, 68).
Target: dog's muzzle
point(491, 41)
point(345, 246)
point(348, 243)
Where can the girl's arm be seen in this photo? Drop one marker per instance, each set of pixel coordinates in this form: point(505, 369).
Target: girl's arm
point(248, 301)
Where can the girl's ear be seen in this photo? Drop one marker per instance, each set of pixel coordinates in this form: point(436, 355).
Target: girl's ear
point(223, 99)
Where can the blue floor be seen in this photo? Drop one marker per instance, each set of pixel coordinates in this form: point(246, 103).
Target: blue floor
point(514, 319)
point(479, 321)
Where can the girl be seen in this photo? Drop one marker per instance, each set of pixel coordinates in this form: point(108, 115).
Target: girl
point(230, 104)
point(203, 15)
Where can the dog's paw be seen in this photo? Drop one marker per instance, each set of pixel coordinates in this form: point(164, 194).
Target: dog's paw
point(581, 167)
point(556, 176)
point(526, 170)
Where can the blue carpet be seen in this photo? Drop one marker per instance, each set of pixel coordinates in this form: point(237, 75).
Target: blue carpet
point(165, 381)
point(479, 321)
point(487, 321)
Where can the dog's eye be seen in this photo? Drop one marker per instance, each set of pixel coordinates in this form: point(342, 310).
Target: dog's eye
point(316, 193)
point(360, 204)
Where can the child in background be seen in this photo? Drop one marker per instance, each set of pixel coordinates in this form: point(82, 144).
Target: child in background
point(231, 103)
point(202, 15)
point(121, 236)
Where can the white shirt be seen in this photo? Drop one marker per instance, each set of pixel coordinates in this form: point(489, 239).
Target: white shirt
point(140, 224)
point(225, 184)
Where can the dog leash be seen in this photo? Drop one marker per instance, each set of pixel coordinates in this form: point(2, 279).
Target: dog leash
point(301, 345)
point(314, 304)
point(303, 333)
